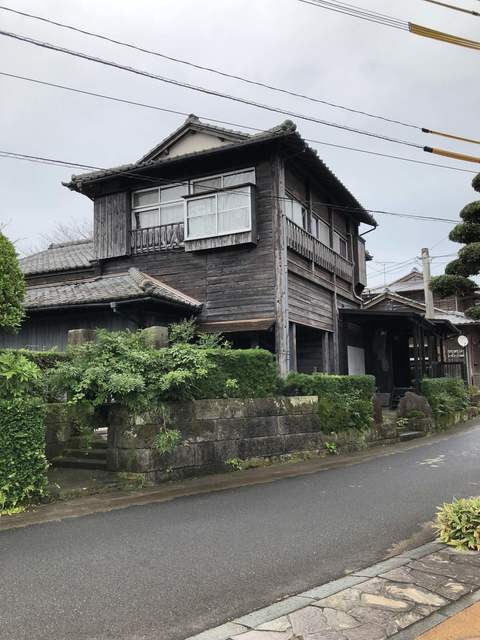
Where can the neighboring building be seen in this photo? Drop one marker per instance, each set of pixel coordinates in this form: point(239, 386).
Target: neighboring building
point(407, 293)
point(250, 234)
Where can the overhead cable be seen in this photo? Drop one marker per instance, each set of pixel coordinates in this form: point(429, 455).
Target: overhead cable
point(218, 94)
point(226, 122)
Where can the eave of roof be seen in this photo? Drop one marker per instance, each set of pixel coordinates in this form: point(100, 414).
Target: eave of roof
point(286, 133)
point(122, 287)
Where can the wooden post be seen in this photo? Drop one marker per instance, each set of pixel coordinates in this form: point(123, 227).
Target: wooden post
point(293, 346)
point(416, 355)
point(336, 328)
point(325, 353)
point(279, 233)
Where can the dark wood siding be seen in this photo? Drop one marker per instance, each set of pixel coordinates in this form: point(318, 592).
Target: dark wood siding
point(231, 282)
point(309, 304)
point(112, 224)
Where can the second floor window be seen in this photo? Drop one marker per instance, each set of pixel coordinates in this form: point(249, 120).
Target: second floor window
point(159, 206)
point(220, 213)
point(340, 245)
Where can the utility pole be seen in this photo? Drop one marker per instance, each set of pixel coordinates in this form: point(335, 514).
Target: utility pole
point(429, 309)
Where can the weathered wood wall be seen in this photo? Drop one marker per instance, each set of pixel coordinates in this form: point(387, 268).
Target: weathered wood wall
point(112, 224)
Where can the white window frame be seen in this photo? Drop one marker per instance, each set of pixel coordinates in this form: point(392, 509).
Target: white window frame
point(222, 176)
point(158, 206)
point(214, 195)
point(189, 185)
point(315, 220)
point(292, 199)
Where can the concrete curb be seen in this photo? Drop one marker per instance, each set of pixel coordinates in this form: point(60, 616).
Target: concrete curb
point(252, 620)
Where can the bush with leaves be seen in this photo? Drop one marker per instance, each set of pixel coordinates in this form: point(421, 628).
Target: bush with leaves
point(457, 280)
point(445, 395)
point(23, 466)
point(12, 287)
point(121, 368)
point(458, 524)
point(344, 402)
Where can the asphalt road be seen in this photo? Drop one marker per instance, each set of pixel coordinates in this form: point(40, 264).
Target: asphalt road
point(165, 571)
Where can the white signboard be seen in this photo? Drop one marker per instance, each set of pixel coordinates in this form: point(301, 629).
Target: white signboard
point(462, 341)
point(356, 361)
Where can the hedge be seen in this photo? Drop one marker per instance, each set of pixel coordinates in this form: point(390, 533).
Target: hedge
point(316, 384)
point(23, 466)
point(239, 373)
point(43, 359)
point(344, 402)
point(445, 395)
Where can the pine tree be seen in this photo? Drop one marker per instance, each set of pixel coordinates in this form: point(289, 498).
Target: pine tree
point(457, 279)
point(12, 287)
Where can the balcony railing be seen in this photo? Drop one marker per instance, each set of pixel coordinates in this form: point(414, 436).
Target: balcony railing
point(309, 247)
point(154, 239)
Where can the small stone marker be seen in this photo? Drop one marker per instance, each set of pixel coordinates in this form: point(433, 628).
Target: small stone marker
point(76, 337)
point(156, 337)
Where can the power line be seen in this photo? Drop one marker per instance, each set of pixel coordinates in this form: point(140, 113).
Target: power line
point(388, 21)
point(128, 172)
point(264, 85)
point(454, 7)
point(226, 122)
point(218, 94)
point(220, 72)
point(241, 100)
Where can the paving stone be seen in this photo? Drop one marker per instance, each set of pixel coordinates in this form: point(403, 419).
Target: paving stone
point(272, 612)
point(342, 601)
point(434, 582)
point(324, 635)
point(465, 557)
point(381, 567)
point(459, 571)
point(367, 632)
point(335, 586)
point(403, 621)
point(265, 635)
point(279, 624)
point(339, 620)
point(374, 585)
point(382, 602)
point(308, 621)
point(222, 632)
point(415, 594)
point(424, 550)
point(373, 615)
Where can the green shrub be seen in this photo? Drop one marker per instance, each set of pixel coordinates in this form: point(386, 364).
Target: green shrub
point(445, 395)
point(449, 285)
point(471, 212)
point(23, 466)
point(316, 384)
point(344, 402)
point(458, 523)
point(18, 376)
point(239, 373)
point(12, 287)
point(43, 359)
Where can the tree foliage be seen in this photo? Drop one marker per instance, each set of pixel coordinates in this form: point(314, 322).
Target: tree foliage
point(12, 287)
point(456, 280)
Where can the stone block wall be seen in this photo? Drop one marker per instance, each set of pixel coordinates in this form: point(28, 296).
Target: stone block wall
point(59, 427)
point(214, 431)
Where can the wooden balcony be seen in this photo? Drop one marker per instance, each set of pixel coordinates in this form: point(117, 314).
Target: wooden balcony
point(309, 247)
point(154, 239)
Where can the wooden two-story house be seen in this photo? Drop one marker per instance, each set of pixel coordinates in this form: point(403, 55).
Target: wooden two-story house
point(250, 234)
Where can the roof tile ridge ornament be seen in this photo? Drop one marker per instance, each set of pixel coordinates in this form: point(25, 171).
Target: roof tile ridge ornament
point(152, 286)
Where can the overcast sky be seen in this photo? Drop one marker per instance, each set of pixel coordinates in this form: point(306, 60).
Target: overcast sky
point(282, 42)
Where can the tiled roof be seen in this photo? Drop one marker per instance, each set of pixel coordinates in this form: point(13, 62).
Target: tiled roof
point(285, 130)
point(413, 281)
point(455, 317)
point(59, 257)
point(116, 288)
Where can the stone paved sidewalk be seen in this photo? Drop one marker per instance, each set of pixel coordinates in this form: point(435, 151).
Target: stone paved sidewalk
point(400, 598)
